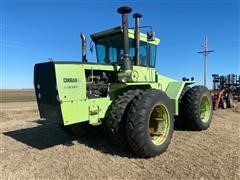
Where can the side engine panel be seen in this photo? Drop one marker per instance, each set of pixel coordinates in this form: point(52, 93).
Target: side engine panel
point(83, 92)
point(71, 82)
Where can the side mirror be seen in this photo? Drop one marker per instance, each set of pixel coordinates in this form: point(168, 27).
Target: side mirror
point(151, 36)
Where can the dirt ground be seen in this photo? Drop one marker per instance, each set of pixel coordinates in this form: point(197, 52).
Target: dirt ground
point(37, 149)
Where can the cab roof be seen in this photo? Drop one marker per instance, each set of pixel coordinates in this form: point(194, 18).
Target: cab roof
point(117, 30)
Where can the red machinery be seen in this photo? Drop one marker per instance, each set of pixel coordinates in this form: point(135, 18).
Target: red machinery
point(223, 93)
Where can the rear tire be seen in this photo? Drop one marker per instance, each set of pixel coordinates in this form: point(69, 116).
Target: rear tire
point(117, 119)
point(180, 123)
point(230, 100)
point(224, 103)
point(196, 108)
point(150, 123)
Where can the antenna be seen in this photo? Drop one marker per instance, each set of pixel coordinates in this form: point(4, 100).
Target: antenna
point(205, 53)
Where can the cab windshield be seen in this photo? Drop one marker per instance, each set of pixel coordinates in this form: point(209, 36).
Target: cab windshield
point(109, 50)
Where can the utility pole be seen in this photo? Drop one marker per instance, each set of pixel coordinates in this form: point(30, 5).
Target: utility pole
point(205, 53)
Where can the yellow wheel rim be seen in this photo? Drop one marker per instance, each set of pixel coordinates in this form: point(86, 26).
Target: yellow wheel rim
point(159, 124)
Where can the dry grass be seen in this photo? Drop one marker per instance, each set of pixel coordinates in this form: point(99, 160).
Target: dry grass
point(17, 95)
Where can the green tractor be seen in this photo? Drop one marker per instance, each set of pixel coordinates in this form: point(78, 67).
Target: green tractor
point(123, 90)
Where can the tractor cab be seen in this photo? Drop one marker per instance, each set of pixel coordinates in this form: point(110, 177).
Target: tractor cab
point(110, 47)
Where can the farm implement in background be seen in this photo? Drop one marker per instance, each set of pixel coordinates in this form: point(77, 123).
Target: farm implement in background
point(225, 90)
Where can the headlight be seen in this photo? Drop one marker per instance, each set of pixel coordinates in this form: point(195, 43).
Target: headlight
point(39, 96)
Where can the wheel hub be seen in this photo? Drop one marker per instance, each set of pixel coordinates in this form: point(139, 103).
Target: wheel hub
point(205, 109)
point(159, 123)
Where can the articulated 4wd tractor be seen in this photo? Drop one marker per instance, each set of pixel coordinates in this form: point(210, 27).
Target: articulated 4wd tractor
point(122, 89)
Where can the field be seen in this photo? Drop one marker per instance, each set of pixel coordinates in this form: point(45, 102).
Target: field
point(37, 149)
point(17, 95)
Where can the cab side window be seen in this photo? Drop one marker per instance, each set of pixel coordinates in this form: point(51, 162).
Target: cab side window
point(152, 55)
point(143, 53)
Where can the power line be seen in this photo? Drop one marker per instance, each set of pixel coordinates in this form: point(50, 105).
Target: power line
point(205, 53)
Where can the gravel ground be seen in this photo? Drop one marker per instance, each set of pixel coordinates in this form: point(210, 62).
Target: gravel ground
point(37, 149)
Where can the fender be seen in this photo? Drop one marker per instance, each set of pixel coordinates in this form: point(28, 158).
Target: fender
point(174, 90)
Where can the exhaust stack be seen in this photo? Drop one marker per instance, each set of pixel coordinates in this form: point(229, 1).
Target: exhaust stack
point(84, 44)
point(127, 65)
point(137, 17)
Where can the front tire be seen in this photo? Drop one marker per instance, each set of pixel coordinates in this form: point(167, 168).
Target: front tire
point(81, 129)
point(117, 119)
point(150, 123)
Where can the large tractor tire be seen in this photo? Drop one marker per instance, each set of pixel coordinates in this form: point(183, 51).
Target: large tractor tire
point(150, 123)
point(117, 119)
point(230, 100)
point(224, 103)
point(196, 108)
point(180, 123)
point(81, 129)
point(72, 130)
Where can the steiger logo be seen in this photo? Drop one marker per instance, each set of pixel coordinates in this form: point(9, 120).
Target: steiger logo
point(70, 80)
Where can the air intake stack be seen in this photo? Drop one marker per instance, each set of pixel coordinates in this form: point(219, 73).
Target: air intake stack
point(127, 65)
point(137, 17)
